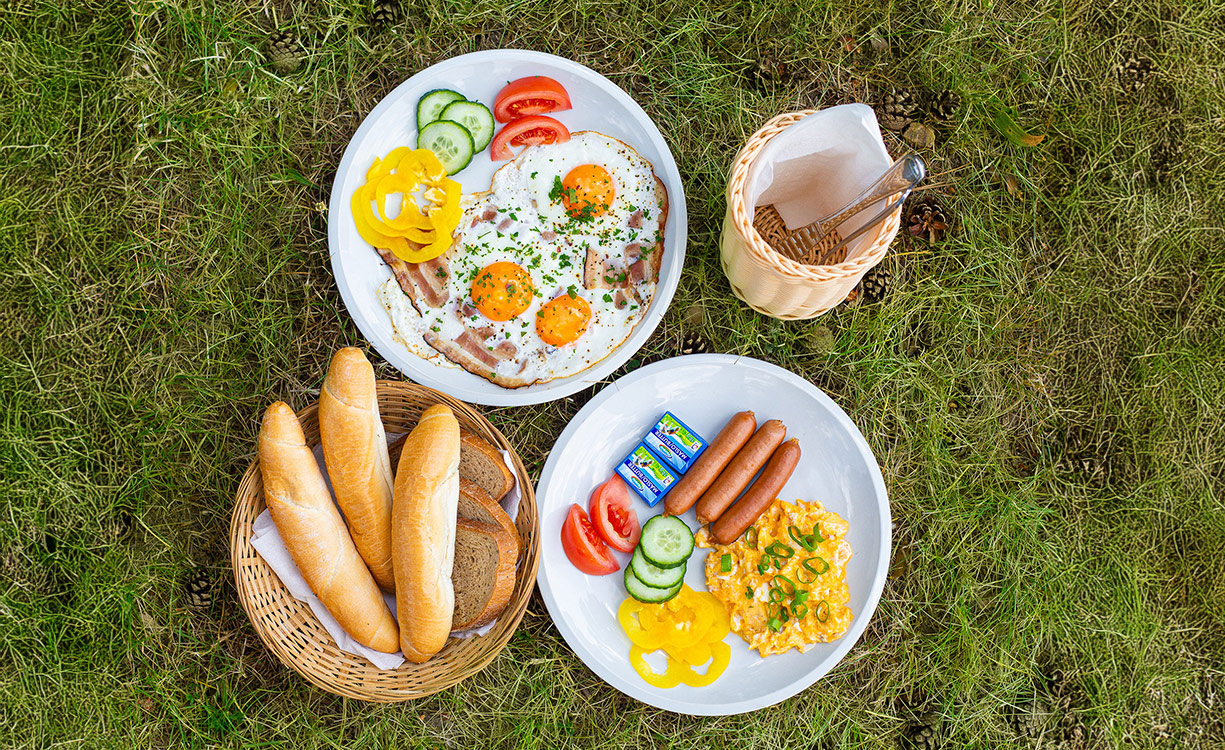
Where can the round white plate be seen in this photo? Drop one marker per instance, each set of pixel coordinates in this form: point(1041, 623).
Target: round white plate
point(598, 105)
point(704, 391)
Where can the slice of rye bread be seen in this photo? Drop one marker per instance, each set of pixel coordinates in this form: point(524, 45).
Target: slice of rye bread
point(475, 504)
point(479, 462)
point(483, 464)
point(483, 573)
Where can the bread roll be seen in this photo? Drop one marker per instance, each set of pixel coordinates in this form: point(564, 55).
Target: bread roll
point(355, 448)
point(423, 533)
point(315, 535)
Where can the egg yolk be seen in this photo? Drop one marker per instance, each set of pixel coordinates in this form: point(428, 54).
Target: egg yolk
point(502, 290)
point(587, 191)
point(563, 320)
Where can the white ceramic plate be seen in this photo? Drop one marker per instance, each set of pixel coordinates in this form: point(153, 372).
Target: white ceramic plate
point(598, 105)
point(704, 391)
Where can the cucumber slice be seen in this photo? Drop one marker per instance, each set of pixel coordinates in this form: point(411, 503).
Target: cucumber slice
point(645, 593)
point(474, 116)
point(666, 541)
point(430, 106)
point(450, 142)
point(654, 576)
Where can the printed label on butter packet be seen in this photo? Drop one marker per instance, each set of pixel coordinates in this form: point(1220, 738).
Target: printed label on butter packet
point(649, 477)
point(671, 454)
point(675, 443)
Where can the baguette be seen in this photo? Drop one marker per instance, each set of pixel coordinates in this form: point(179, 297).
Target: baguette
point(355, 448)
point(423, 533)
point(315, 535)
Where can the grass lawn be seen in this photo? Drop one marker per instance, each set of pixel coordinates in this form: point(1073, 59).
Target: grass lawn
point(1042, 385)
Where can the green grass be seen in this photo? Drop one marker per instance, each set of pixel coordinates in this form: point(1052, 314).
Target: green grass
point(1042, 387)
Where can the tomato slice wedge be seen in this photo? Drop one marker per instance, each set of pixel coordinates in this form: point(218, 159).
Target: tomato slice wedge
point(527, 131)
point(583, 545)
point(613, 516)
point(531, 95)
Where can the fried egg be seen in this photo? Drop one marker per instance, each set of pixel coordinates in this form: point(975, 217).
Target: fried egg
point(551, 268)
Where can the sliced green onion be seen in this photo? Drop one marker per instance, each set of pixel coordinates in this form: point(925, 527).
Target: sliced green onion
point(750, 536)
point(785, 584)
point(816, 532)
point(778, 549)
point(763, 564)
point(786, 614)
point(774, 624)
point(822, 611)
point(774, 611)
point(776, 595)
point(748, 592)
point(800, 597)
point(804, 540)
point(725, 563)
point(800, 609)
point(778, 564)
point(808, 565)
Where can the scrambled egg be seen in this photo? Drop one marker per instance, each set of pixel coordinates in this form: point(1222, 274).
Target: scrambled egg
point(801, 598)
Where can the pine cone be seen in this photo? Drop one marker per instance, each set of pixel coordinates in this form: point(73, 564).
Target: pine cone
point(284, 51)
point(199, 589)
point(875, 284)
point(944, 105)
point(1135, 72)
point(1033, 719)
point(897, 110)
point(771, 70)
point(692, 343)
point(927, 734)
point(386, 13)
point(926, 218)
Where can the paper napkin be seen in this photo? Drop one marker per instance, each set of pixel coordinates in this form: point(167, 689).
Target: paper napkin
point(817, 165)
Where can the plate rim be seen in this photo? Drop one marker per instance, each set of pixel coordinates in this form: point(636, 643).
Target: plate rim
point(668, 171)
point(858, 626)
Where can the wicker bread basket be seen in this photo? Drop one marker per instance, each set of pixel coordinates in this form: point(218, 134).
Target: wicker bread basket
point(769, 281)
point(292, 632)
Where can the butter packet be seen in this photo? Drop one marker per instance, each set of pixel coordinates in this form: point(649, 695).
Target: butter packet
point(650, 477)
point(673, 441)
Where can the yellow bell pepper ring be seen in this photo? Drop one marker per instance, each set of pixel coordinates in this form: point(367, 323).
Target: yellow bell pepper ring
point(689, 629)
point(417, 233)
point(668, 679)
point(722, 656)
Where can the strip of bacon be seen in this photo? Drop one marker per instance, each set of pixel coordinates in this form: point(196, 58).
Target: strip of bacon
point(399, 269)
point(470, 352)
point(595, 270)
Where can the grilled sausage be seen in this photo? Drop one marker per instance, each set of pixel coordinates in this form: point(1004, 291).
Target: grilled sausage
point(740, 471)
point(713, 460)
point(736, 519)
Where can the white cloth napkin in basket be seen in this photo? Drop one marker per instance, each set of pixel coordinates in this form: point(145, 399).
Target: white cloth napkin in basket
point(817, 165)
point(267, 541)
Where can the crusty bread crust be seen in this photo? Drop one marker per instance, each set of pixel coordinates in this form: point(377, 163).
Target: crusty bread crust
point(315, 535)
point(423, 533)
point(355, 449)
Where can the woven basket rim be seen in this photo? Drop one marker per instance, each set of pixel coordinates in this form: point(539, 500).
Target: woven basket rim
point(290, 630)
point(760, 250)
